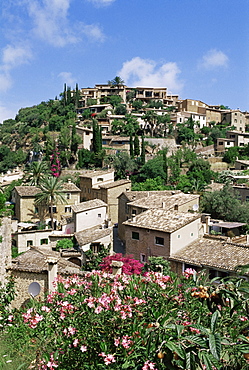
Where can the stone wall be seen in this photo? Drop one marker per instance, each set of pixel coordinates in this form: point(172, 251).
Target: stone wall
point(5, 247)
point(22, 281)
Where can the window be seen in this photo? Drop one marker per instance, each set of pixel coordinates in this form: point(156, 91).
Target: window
point(68, 196)
point(220, 142)
point(53, 209)
point(247, 198)
point(43, 241)
point(192, 234)
point(100, 179)
point(179, 236)
point(36, 209)
point(142, 258)
point(159, 241)
point(135, 235)
point(89, 190)
point(68, 209)
point(29, 243)
point(99, 215)
point(134, 212)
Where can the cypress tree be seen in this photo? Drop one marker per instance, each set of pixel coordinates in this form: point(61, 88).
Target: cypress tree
point(131, 147)
point(143, 151)
point(136, 146)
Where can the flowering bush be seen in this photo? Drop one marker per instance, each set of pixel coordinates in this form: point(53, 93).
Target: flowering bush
point(55, 164)
point(136, 322)
point(130, 265)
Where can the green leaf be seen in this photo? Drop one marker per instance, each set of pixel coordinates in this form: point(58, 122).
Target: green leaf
point(197, 340)
point(174, 348)
point(188, 361)
point(215, 345)
point(214, 320)
point(207, 361)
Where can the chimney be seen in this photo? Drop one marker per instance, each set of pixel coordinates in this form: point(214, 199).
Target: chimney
point(207, 219)
point(52, 272)
point(117, 267)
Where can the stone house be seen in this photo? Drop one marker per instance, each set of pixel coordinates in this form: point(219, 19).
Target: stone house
point(235, 118)
point(25, 210)
point(160, 232)
point(101, 185)
point(89, 214)
point(24, 239)
point(38, 265)
point(94, 237)
point(135, 202)
point(217, 256)
point(241, 164)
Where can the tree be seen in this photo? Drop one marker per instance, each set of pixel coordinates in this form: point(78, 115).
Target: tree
point(131, 147)
point(136, 146)
point(225, 205)
point(151, 118)
point(117, 81)
point(153, 168)
point(50, 195)
point(75, 140)
point(142, 151)
point(36, 172)
point(137, 104)
point(123, 164)
point(120, 110)
point(231, 154)
point(85, 158)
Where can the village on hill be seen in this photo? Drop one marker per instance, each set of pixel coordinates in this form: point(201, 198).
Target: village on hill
point(129, 172)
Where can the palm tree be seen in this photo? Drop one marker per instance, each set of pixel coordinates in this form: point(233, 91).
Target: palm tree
point(51, 194)
point(117, 81)
point(36, 172)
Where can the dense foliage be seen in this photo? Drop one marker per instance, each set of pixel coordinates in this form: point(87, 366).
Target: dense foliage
point(133, 322)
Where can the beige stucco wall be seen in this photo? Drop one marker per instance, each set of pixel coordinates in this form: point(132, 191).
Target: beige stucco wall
point(89, 218)
point(184, 236)
point(36, 236)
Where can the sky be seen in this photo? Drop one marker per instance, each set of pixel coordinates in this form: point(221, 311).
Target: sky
point(198, 49)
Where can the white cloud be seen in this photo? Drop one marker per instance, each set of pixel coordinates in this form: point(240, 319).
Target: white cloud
point(6, 113)
point(16, 55)
point(214, 58)
point(12, 57)
point(67, 78)
point(144, 72)
point(5, 81)
point(93, 32)
point(50, 21)
point(101, 2)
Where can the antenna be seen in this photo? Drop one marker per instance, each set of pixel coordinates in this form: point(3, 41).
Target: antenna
point(34, 289)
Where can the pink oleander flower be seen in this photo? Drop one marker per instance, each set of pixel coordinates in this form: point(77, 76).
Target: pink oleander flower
point(83, 348)
point(149, 366)
point(108, 359)
point(194, 330)
point(75, 342)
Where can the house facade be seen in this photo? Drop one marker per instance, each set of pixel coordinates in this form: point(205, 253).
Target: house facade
point(158, 232)
point(89, 214)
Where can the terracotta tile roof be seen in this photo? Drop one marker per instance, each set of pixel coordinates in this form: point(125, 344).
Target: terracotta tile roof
point(92, 174)
point(90, 204)
point(162, 220)
point(134, 195)
point(90, 235)
point(208, 252)
point(114, 184)
point(70, 187)
point(165, 201)
point(35, 260)
point(27, 191)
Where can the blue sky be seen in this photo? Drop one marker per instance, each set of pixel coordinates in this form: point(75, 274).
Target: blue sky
point(198, 49)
